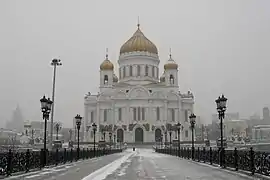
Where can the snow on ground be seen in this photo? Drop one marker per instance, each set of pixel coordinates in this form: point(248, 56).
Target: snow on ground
point(103, 172)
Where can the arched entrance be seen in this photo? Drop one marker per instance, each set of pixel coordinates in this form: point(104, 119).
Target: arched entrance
point(139, 135)
point(120, 135)
point(158, 135)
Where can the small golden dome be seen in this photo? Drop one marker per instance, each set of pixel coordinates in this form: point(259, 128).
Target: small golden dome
point(138, 42)
point(162, 78)
point(115, 78)
point(106, 64)
point(171, 64)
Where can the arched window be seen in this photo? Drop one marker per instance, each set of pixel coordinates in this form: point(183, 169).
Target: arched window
point(130, 71)
point(153, 71)
point(146, 70)
point(138, 70)
point(171, 79)
point(124, 71)
point(106, 79)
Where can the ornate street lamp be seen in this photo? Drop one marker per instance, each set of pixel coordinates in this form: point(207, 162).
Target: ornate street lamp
point(192, 118)
point(221, 108)
point(178, 127)
point(57, 128)
point(46, 105)
point(110, 136)
point(94, 126)
point(78, 119)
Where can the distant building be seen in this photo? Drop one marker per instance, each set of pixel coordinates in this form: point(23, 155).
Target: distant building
point(235, 128)
point(38, 129)
point(17, 121)
point(215, 127)
point(261, 133)
point(8, 136)
point(266, 114)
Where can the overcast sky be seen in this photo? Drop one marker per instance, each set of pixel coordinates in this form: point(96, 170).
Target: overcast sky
point(220, 46)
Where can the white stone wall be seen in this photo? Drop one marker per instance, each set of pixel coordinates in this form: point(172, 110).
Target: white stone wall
point(140, 97)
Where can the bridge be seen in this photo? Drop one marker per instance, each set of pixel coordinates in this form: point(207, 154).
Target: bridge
point(135, 165)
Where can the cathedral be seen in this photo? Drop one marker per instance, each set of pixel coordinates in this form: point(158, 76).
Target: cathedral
point(138, 106)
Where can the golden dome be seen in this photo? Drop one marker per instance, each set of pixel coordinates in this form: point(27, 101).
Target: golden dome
point(115, 78)
point(162, 78)
point(138, 42)
point(106, 64)
point(171, 64)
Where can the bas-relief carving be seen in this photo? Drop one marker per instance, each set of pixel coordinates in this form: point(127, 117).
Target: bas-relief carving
point(131, 126)
point(138, 93)
point(124, 127)
point(146, 126)
point(105, 128)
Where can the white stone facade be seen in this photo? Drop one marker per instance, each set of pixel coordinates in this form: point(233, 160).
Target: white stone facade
point(139, 106)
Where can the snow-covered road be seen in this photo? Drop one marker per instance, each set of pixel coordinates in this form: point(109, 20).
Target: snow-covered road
point(139, 165)
point(146, 164)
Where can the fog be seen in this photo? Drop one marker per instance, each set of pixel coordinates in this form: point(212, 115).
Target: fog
point(220, 46)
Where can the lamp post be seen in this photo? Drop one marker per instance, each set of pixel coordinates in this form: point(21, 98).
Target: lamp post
point(104, 134)
point(54, 63)
point(192, 118)
point(94, 126)
point(178, 127)
point(57, 128)
point(78, 119)
point(221, 108)
point(165, 134)
point(46, 105)
point(114, 138)
point(32, 133)
point(110, 136)
point(170, 133)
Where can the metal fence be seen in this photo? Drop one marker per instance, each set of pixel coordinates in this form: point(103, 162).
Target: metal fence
point(19, 162)
point(246, 160)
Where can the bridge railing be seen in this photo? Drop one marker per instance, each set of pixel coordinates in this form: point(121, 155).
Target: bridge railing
point(12, 162)
point(246, 160)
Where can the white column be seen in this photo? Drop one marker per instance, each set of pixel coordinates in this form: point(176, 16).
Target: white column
point(166, 111)
point(98, 121)
point(113, 113)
